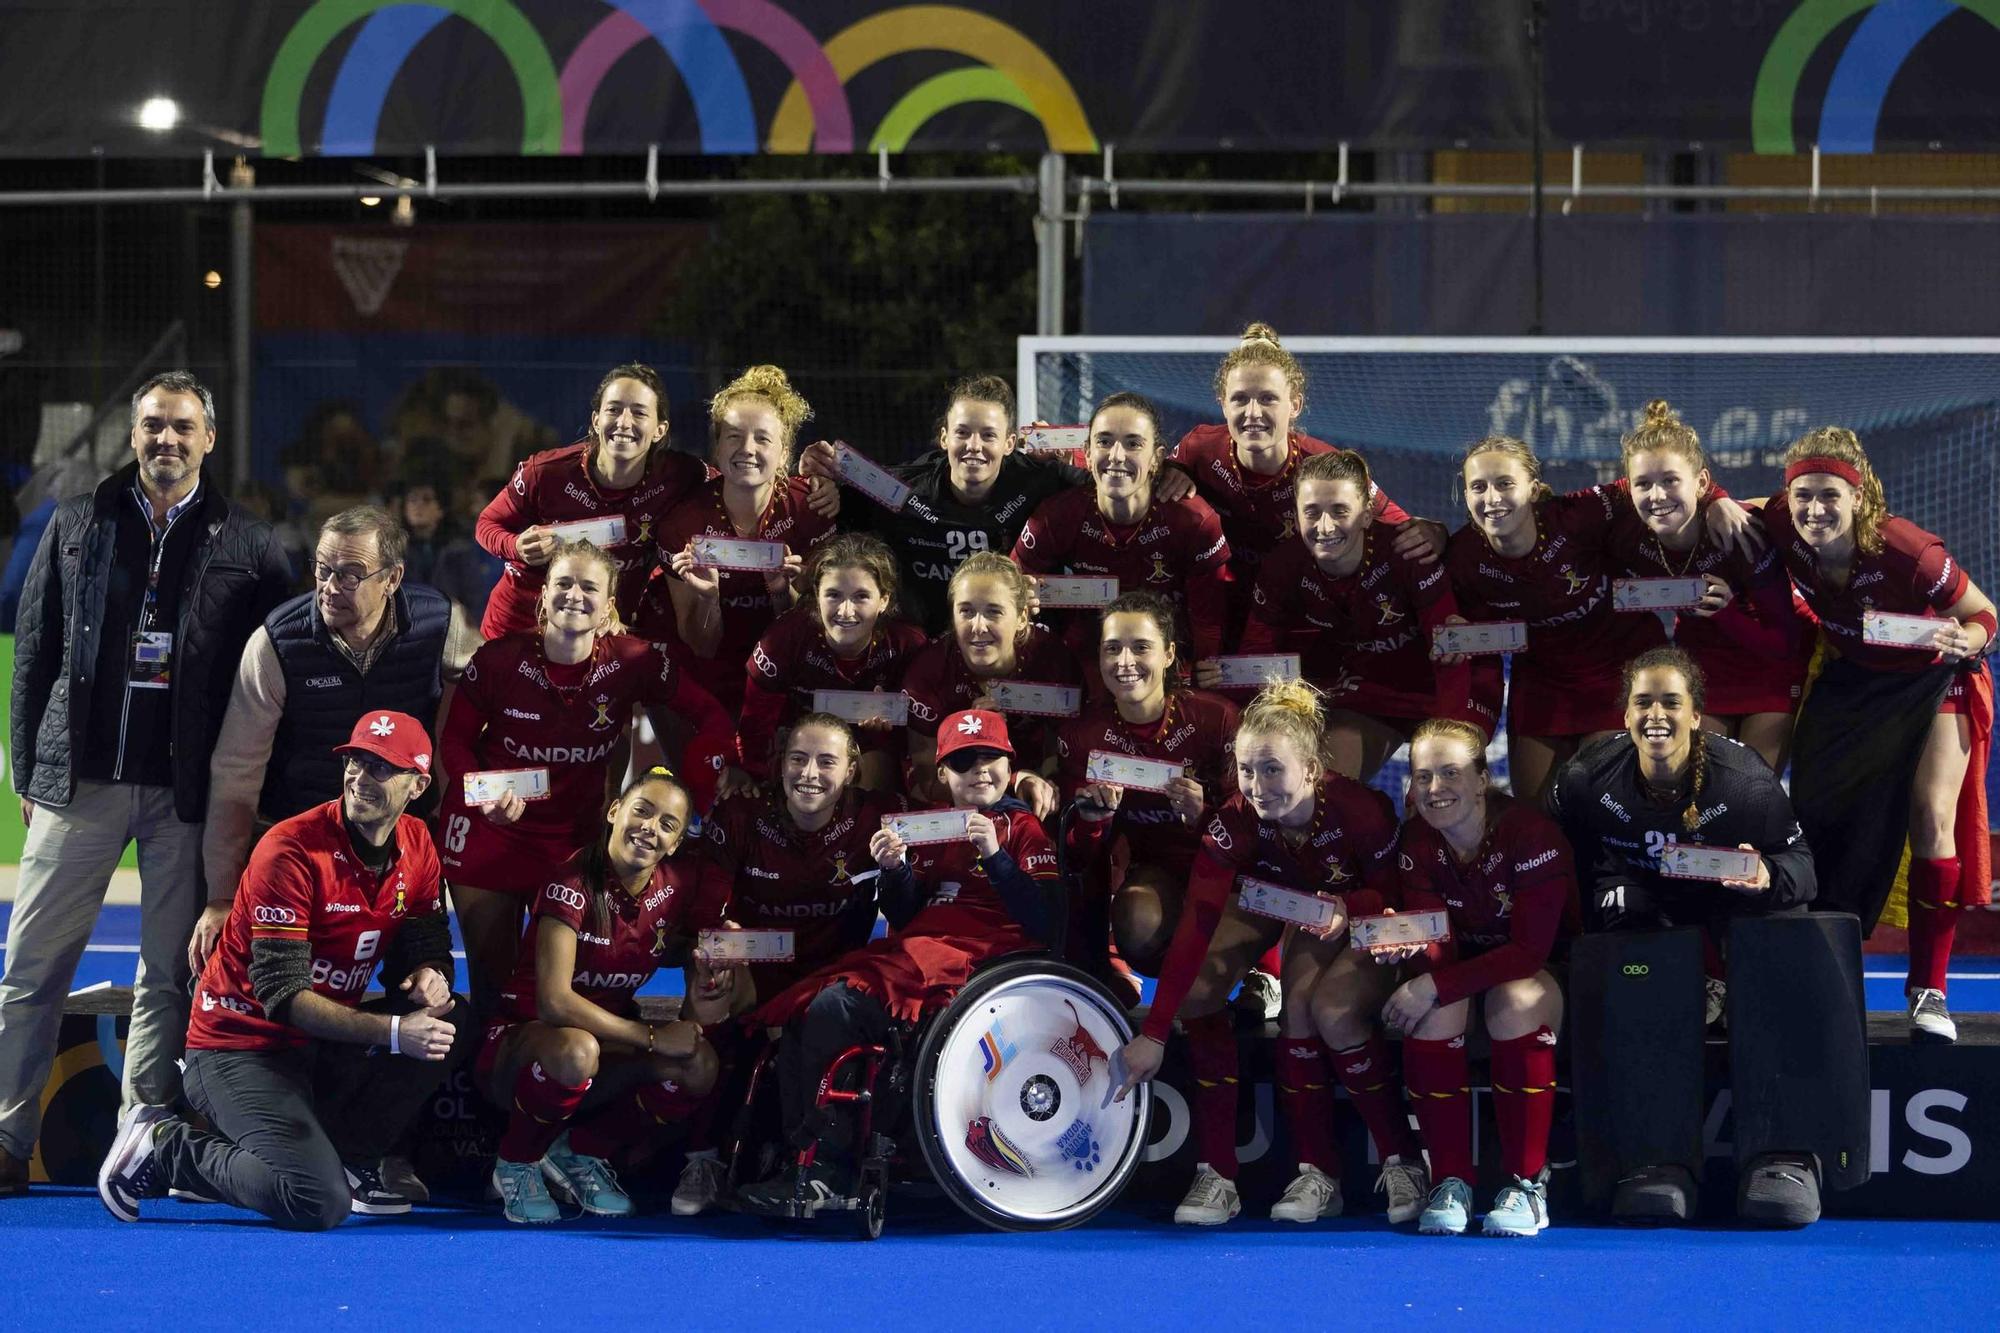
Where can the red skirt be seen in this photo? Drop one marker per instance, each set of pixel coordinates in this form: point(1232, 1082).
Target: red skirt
point(1564, 699)
point(502, 858)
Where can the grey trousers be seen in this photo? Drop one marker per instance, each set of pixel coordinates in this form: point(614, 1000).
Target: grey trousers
point(66, 867)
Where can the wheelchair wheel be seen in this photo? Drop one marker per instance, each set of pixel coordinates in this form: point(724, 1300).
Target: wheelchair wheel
point(1012, 1105)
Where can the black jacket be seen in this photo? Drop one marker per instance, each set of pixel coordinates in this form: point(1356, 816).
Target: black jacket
point(234, 575)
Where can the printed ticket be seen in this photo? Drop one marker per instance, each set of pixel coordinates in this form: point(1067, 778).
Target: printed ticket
point(928, 826)
point(746, 946)
point(737, 553)
point(1026, 696)
point(1657, 594)
point(1128, 770)
point(599, 532)
point(1490, 636)
point(1283, 904)
point(1255, 669)
point(873, 480)
point(1375, 932)
point(1054, 439)
point(530, 784)
point(864, 705)
point(1890, 629)
point(1690, 860)
point(1075, 590)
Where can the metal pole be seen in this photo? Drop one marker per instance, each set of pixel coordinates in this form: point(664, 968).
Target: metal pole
point(1049, 246)
point(242, 312)
point(1538, 14)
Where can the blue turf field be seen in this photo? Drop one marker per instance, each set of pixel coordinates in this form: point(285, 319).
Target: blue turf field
point(67, 1264)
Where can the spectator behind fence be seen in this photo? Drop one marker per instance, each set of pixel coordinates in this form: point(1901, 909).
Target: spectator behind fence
point(442, 553)
point(133, 616)
point(335, 463)
point(301, 1084)
point(362, 641)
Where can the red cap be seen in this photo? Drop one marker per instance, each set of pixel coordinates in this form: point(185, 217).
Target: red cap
point(973, 729)
point(396, 737)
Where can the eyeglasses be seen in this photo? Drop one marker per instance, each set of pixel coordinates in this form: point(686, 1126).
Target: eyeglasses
point(377, 768)
point(344, 579)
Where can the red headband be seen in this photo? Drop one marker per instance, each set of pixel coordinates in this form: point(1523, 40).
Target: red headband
point(1847, 472)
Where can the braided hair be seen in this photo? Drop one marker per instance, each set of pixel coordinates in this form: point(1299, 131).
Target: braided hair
point(1674, 659)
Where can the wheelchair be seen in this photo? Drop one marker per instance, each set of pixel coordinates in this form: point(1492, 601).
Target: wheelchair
point(1006, 1092)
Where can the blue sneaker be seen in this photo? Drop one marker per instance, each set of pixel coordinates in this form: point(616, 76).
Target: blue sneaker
point(1521, 1209)
point(523, 1196)
point(1449, 1211)
point(588, 1182)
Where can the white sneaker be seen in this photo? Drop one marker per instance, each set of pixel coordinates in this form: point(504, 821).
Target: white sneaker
point(399, 1176)
point(1407, 1184)
point(701, 1182)
point(1260, 996)
point(1930, 1021)
point(1211, 1200)
point(1313, 1194)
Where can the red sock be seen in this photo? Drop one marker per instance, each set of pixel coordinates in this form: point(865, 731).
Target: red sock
point(1524, 1100)
point(1934, 913)
point(541, 1108)
point(1211, 1046)
point(1435, 1074)
point(1273, 961)
point(634, 1118)
point(1364, 1071)
point(1305, 1097)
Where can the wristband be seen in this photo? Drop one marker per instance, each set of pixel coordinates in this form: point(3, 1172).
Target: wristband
point(395, 1034)
point(1985, 620)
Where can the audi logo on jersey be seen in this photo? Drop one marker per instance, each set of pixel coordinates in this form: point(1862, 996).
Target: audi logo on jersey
point(1219, 835)
point(764, 663)
point(567, 896)
point(274, 916)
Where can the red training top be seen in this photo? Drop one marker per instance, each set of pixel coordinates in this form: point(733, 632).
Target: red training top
point(304, 882)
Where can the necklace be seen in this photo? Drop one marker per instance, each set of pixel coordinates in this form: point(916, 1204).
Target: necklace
point(1660, 554)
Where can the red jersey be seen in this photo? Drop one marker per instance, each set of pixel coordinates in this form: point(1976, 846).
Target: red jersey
point(820, 885)
point(514, 709)
point(794, 659)
point(682, 897)
point(746, 603)
point(939, 684)
point(1365, 638)
point(1259, 514)
point(1198, 730)
point(304, 882)
point(1508, 905)
point(1176, 550)
point(1348, 849)
point(555, 486)
point(1561, 587)
point(1911, 575)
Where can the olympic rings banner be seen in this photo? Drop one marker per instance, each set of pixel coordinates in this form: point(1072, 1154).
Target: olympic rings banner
point(290, 78)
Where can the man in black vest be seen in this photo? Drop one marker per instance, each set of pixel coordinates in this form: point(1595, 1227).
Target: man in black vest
point(133, 617)
point(362, 641)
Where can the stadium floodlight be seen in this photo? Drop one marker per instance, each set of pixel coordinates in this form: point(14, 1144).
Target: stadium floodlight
point(159, 114)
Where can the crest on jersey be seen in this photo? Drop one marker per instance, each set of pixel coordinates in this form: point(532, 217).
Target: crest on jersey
point(659, 938)
point(1336, 873)
point(1573, 582)
point(602, 720)
point(1390, 615)
point(402, 903)
point(840, 873)
point(1160, 573)
point(645, 530)
point(1288, 529)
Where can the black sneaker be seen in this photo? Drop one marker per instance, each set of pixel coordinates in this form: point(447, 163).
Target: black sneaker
point(1779, 1190)
point(1655, 1194)
point(131, 1171)
point(796, 1191)
point(371, 1196)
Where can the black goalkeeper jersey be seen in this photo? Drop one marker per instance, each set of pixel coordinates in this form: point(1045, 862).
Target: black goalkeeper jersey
point(934, 531)
point(1618, 832)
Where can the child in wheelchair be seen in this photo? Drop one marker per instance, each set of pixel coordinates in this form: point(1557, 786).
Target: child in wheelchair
point(952, 905)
